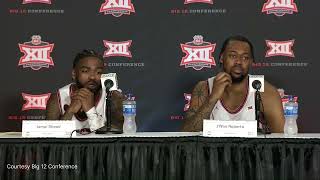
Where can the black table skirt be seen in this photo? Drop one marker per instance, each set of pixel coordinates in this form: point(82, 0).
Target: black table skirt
point(161, 158)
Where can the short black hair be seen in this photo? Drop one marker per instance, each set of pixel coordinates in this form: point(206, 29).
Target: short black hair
point(86, 53)
point(236, 38)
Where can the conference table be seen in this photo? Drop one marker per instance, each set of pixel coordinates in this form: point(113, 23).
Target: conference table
point(160, 156)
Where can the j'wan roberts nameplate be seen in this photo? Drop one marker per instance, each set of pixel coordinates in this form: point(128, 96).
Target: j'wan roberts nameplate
point(228, 128)
point(54, 128)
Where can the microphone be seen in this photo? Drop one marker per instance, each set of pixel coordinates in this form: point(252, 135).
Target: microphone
point(256, 87)
point(108, 84)
point(256, 84)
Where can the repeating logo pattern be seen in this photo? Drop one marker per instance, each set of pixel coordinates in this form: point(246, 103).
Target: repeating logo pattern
point(187, 97)
point(280, 7)
point(198, 54)
point(280, 48)
point(36, 1)
point(198, 1)
point(117, 7)
point(117, 48)
point(37, 53)
point(35, 101)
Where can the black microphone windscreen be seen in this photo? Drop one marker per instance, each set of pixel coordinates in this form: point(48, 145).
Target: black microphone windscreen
point(256, 84)
point(108, 83)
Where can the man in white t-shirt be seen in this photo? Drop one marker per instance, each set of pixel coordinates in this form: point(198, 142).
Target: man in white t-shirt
point(226, 96)
point(83, 99)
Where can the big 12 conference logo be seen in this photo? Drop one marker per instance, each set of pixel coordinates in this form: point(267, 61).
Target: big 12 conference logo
point(117, 7)
point(198, 54)
point(36, 54)
point(117, 48)
point(280, 7)
point(36, 1)
point(35, 101)
point(198, 1)
point(187, 97)
point(280, 48)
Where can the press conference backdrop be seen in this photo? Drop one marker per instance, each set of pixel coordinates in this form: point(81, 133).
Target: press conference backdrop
point(159, 49)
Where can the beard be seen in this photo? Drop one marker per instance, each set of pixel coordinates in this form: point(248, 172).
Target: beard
point(94, 90)
point(240, 77)
point(237, 80)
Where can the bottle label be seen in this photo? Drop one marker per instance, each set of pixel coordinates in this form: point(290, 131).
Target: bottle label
point(129, 109)
point(290, 110)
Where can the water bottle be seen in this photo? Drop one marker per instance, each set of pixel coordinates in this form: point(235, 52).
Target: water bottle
point(291, 115)
point(129, 114)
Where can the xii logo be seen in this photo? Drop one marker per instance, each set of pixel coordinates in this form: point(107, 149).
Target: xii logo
point(280, 7)
point(117, 7)
point(36, 54)
point(198, 1)
point(187, 97)
point(280, 48)
point(117, 48)
point(36, 1)
point(35, 101)
point(198, 54)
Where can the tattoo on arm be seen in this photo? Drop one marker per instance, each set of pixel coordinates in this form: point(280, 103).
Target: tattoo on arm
point(200, 108)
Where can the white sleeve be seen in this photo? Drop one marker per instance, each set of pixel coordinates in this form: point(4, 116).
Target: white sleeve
point(95, 120)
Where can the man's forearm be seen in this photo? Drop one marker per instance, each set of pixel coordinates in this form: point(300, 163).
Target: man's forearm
point(195, 122)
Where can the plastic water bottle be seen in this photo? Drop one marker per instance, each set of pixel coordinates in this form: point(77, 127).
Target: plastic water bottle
point(291, 115)
point(129, 114)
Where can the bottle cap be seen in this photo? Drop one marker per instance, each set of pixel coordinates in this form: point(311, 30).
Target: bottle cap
point(129, 96)
point(291, 98)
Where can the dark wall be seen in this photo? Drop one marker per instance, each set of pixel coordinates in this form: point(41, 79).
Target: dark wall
point(153, 73)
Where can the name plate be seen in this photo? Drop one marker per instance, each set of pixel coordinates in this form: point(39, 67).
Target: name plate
point(218, 128)
point(55, 128)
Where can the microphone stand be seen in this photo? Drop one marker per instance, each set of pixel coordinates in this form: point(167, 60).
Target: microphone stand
point(257, 99)
point(258, 113)
point(107, 129)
